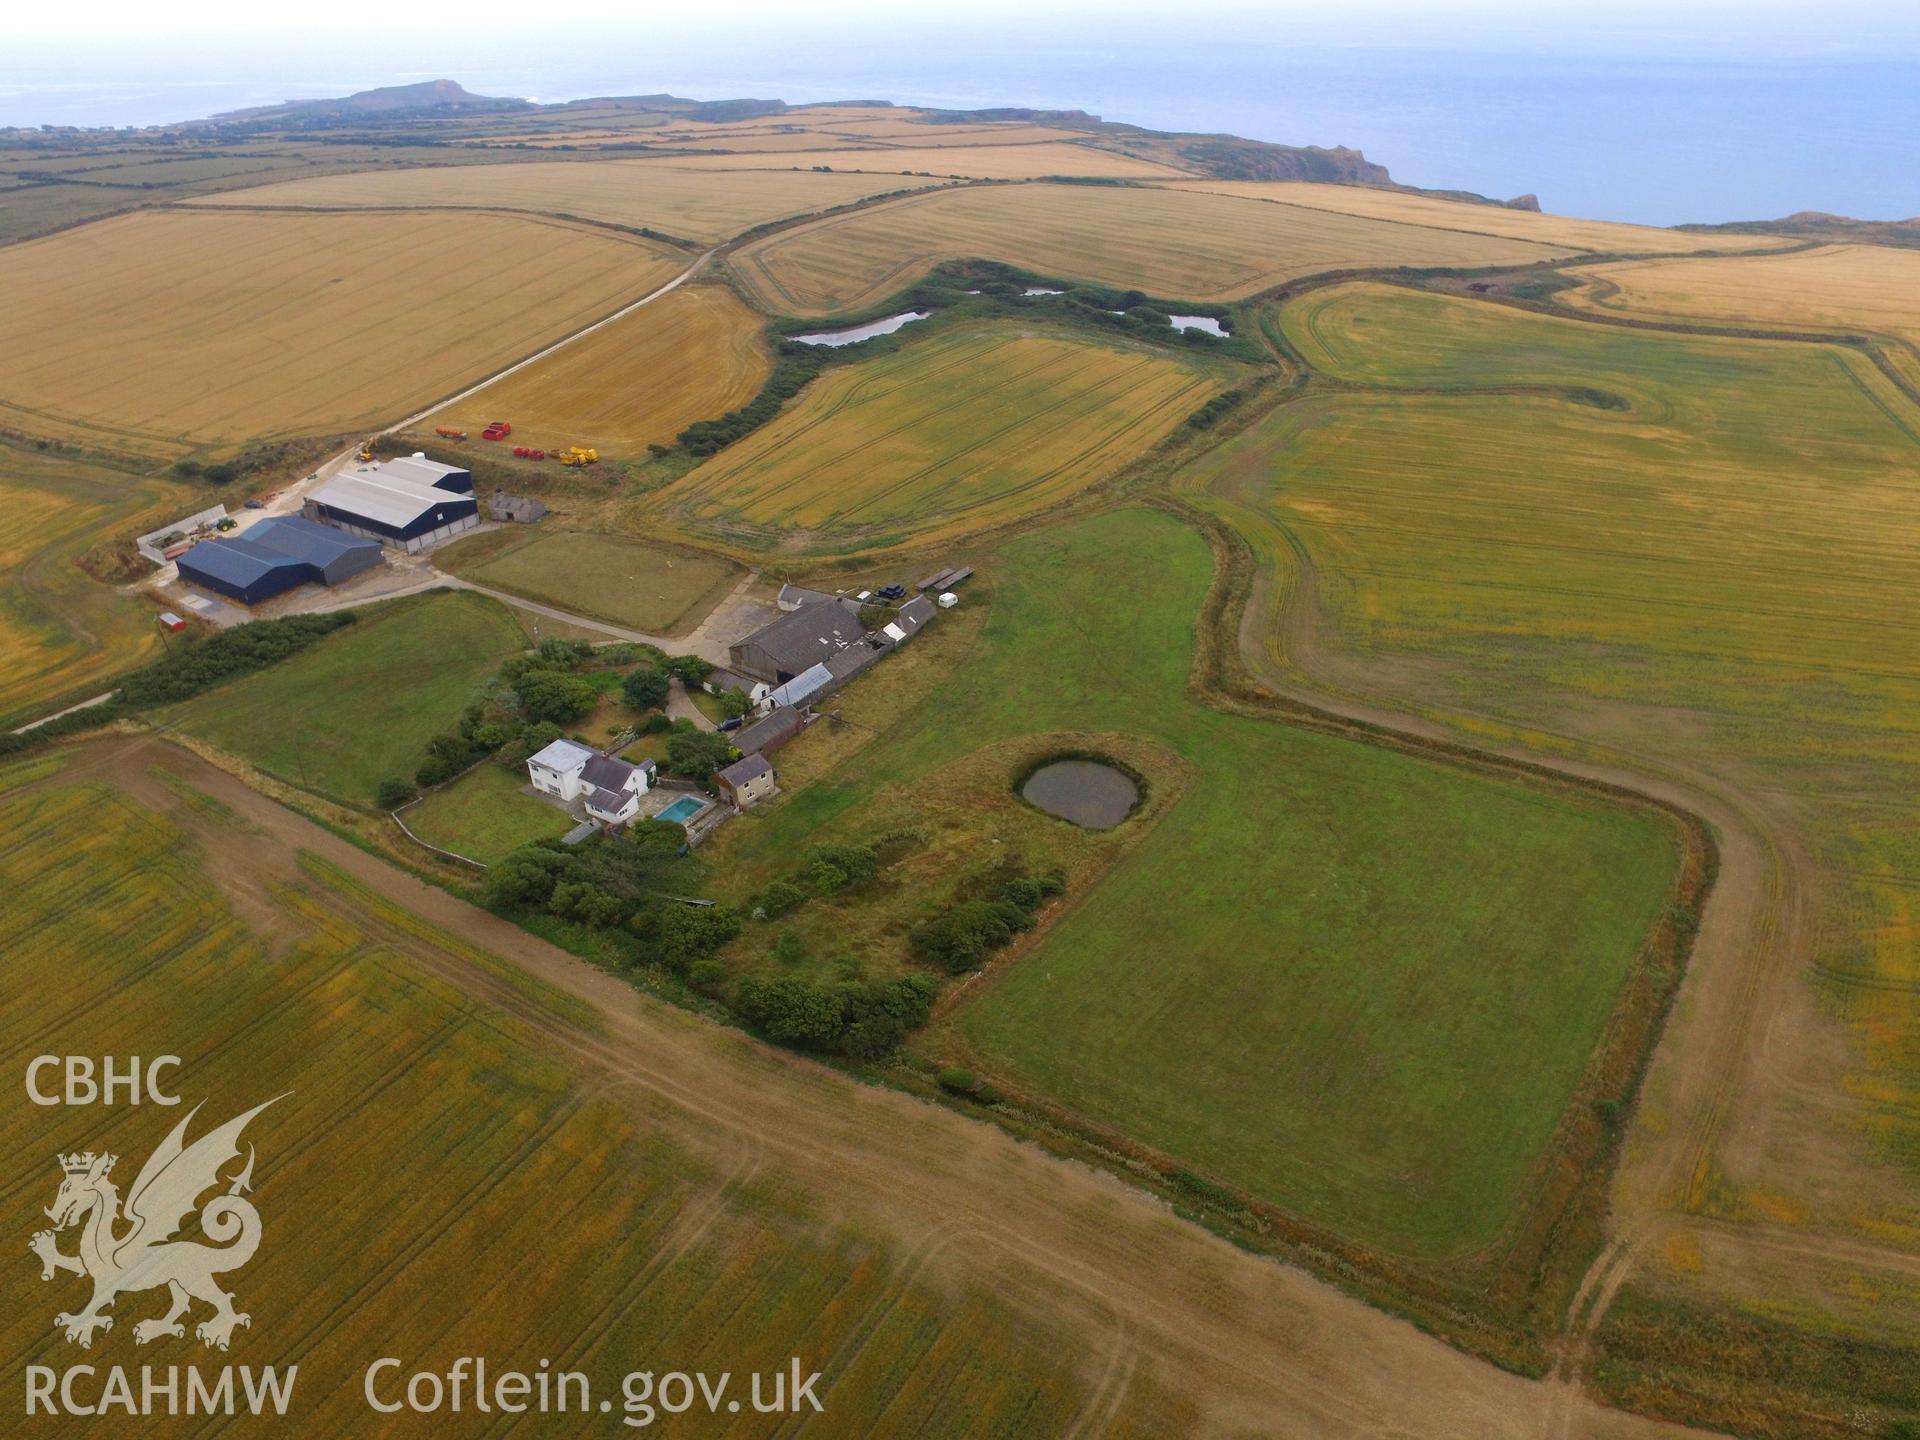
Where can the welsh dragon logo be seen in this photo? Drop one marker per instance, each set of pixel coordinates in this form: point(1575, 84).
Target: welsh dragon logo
point(133, 1249)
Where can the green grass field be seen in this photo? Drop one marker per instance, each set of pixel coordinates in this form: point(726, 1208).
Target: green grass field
point(954, 432)
point(1714, 582)
point(649, 588)
point(361, 705)
point(1308, 979)
point(483, 815)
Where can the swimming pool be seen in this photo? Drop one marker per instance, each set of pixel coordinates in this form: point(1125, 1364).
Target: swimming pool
point(682, 810)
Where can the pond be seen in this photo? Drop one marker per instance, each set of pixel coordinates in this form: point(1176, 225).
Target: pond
point(1206, 324)
point(861, 332)
point(1082, 792)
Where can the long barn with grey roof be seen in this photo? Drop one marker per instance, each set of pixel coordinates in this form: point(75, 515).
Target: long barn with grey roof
point(794, 643)
point(275, 556)
point(410, 502)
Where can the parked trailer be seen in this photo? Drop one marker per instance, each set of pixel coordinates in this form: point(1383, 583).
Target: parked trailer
point(496, 430)
point(449, 433)
point(934, 581)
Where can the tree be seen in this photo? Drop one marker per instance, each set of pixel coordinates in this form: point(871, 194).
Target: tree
point(393, 793)
point(554, 695)
point(689, 933)
point(565, 654)
point(734, 703)
point(646, 689)
point(696, 754)
point(526, 877)
point(792, 1012)
point(688, 669)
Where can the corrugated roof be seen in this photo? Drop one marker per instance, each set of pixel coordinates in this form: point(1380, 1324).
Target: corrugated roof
point(306, 539)
point(389, 499)
point(802, 685)
point(237, 562)
point(807, 635)
point(426, 472)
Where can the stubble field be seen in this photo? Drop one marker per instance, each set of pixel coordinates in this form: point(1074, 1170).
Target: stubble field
point(962, 430)
point(159, 333)
point(63, 634)
point(691, 355)
point(1852, 289)
point(700, 205)
point(1166, 242)
point(1575, 234)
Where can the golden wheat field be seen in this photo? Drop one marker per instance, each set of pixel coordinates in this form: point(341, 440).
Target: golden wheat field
point(1600, 235)
point(1166, 242)
point(165, 331)
point(639, 194)
point(458, 1163)
point(957, 432)
point(690, 355)
point(1869, 289)
point(977, 162)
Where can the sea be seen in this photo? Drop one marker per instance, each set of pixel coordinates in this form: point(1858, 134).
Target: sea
point(1648, 138)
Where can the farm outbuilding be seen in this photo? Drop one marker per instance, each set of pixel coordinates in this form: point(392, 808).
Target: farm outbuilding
point(746, 782)
point(273, 557)
point(798, 640)
point(410, 503)
point(770, 733)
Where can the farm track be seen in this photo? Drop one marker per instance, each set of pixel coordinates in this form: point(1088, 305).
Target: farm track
point(1248, 1340)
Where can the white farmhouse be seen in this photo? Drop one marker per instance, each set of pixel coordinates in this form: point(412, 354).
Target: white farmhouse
point(610, 789)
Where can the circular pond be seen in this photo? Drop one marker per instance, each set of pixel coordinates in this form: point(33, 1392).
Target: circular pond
point(1083, 792)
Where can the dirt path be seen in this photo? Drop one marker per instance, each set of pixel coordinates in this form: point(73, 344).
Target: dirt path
point(1255, 1346)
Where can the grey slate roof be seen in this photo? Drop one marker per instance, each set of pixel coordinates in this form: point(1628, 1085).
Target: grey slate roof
point(808, 635)
point(849, 662)
point(768, 733)
point(749, 767)
point(606, 773)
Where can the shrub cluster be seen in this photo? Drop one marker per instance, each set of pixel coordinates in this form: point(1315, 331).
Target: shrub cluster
point(862, 1020)
point(201, 664)
point(606, 882)
point(961, 937)
point(828, 870)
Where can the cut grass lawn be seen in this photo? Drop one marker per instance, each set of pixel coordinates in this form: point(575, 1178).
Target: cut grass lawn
point(702, 205)
point(640, 381)
point(1307, 979)
point(359, 706)
point(1165, 242)
point(960, 431)
point(485, 814)
point(646, 587)
point(1715, 582)
point(274, 325)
